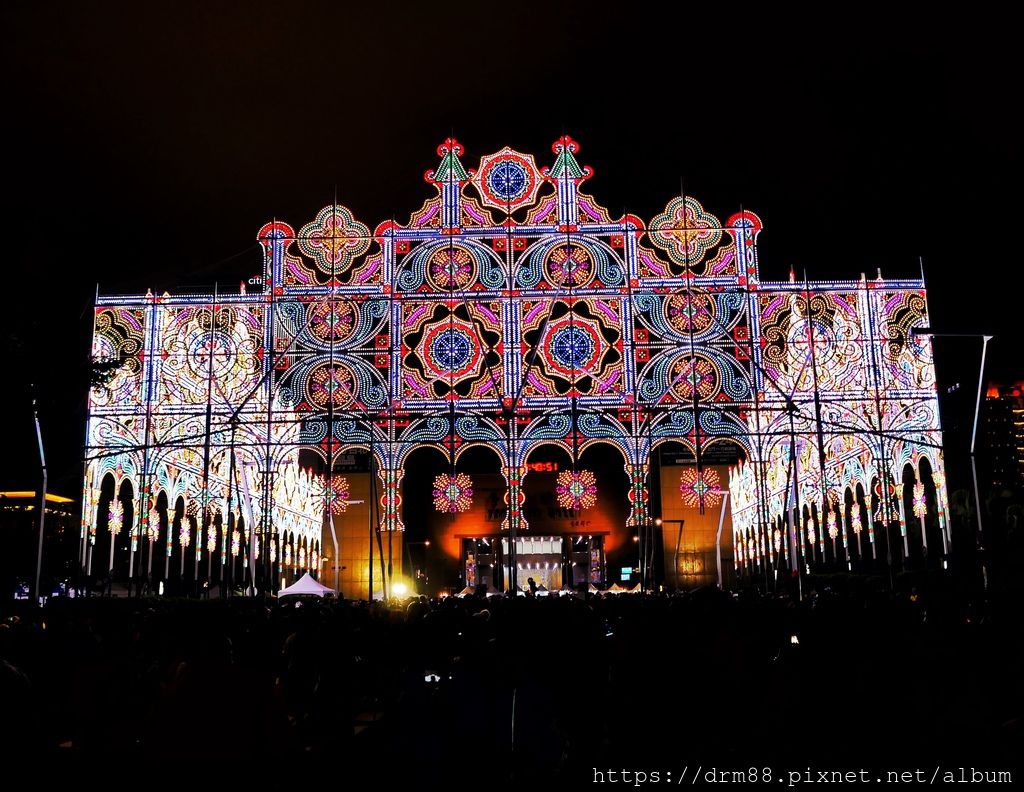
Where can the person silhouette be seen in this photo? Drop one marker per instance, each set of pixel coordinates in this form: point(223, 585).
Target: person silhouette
point(532, 584)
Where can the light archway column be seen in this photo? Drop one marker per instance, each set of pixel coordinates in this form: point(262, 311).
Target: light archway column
point(803, 521)
point(115, 522)
point(903, 519)
point(87, 533)
point(857, 524)
point(391, 497)
point(840, 508)
point(91, 541)
point(153, 516)
point(169, 539)
point(514, 523)
point(840, 511)
point(829, 524)
point(639, 511)
point(390, 510)
point(871, 524)
point(939, 480)
point(921, 511)
point(822, 530)
point(514, 520)
point(138, 527)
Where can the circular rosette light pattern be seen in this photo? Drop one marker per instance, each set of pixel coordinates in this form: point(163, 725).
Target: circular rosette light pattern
point(573, 347)
point(693, 376)
point(453, 493)
point(705, 487)
point(507, 180)
point(569, 266)
point(329, 383)
point(690, 312)
point(332, 321)
point(450, 349)
point(451, 268)
point(338, 493)
point(576, 489)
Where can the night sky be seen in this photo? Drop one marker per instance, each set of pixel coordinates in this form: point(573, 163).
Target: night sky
point(146, 146)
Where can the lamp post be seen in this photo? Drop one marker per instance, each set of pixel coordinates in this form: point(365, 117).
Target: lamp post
point(927, 331)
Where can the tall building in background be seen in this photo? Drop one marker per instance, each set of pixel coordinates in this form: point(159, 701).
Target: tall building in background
point(1002, 433)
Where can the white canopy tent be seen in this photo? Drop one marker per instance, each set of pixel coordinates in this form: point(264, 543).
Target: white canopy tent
point(305, 585)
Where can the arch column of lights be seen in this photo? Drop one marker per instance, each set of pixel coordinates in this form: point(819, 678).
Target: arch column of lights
point(513, 294)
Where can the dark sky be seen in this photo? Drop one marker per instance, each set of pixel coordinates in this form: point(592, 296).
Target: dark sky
point(145, 146)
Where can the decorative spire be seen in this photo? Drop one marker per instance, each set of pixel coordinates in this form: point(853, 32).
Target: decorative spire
point(565, 163)
point(449, 178)
point(451, 168)
point(566, 174)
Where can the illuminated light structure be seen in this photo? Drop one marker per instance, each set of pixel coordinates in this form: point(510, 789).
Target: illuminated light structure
point(511, 310)
point(116, 517)
point(453, 493)
point(576, 489)
point(920, 504)
point(699, 489)
point(337, 492)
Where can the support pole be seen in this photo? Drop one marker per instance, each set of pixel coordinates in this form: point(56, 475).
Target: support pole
point(113, 540)
point(171, 538)
point(373, 496)
point(980, 545)
point(679, 541)
point(974, 468)
point(718, 538)
point(337, 561)
point(42, 503)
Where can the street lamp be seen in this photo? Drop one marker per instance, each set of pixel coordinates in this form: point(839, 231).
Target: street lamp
point(927, 331)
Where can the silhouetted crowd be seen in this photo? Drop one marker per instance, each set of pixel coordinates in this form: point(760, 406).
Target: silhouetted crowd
point(502, 690)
